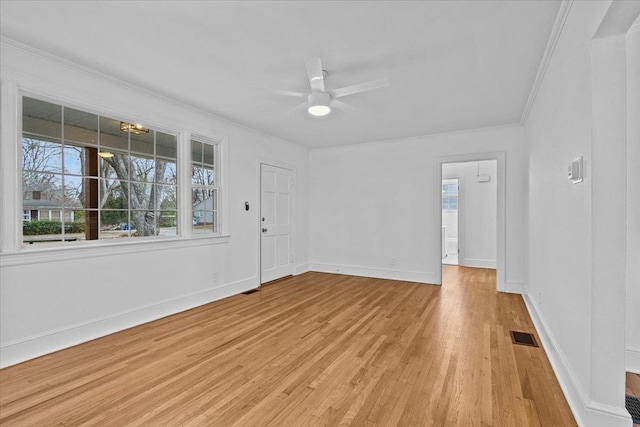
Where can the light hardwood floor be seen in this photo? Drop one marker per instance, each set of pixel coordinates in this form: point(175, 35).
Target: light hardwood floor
point(633, 384)
point(316, 349)
point(633, 387)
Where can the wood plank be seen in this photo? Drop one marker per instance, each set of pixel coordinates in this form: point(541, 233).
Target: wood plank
point(633, 384)
point(314, 349)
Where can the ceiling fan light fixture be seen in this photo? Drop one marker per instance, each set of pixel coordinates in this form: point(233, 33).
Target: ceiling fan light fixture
point(319, 104)
point(319, 110)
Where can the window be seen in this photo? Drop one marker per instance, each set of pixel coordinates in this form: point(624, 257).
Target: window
point(90, 177)
point(204, 187)
point(449, 197)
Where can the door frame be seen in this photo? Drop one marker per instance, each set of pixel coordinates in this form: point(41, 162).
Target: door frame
point(460, 180)
point(292, 234)
point(500, 157)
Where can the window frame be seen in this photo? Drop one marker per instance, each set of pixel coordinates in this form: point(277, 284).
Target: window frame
point(216, 187)
point(448, 199)
point(12, 243)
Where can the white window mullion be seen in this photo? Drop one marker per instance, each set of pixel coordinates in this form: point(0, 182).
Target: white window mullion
point(11, 158)
point(222, 186)
point(184, 185)
point(218, 185)
point(63, 174)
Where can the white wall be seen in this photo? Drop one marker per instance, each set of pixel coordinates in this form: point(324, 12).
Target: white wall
point(573, 248)
point(373, 202)
point(53, 299)
point(559, 243)
point(479, 201)
point(633, 201)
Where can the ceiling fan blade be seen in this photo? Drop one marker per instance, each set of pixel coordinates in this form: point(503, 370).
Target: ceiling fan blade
point(297, 107)
point(339, 105)
point(281, 92)
point(316, 78)
point(360, 87)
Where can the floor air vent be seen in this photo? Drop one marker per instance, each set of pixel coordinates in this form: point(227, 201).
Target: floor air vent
point(250, 291)
point(632, 404)
point(523, 338)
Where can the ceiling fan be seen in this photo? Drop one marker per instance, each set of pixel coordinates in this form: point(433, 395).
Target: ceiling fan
point(320, 101)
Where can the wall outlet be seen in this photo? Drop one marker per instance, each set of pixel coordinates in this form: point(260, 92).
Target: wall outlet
point(215, 277)
point(393, 261)
point(291, 259)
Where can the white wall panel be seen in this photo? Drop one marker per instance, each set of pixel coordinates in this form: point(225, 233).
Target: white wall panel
point(49, 301)
point(374, 202)
point(575, 260)
point(633, 201)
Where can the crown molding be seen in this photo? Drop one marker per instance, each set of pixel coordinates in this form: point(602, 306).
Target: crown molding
point(635, 28)
point(417, 138)
point(145, 91)
point(556, 31)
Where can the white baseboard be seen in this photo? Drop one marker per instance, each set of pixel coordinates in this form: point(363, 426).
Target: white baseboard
point(604, 415)
point(17, 351)
point(514, 288)
point(300, 269)
point(632, 360)
point(478, 263)
point(378, 273)
point(586, 412)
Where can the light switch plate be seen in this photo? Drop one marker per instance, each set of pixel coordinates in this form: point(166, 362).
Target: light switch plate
point(574, 172)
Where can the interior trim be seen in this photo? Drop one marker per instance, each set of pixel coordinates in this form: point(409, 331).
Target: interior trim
point(16, 351)
point(585, 411)
point(378, 273)
point(556, 31)
point(84, 251)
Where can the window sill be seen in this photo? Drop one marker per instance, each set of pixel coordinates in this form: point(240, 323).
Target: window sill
point(26, 255)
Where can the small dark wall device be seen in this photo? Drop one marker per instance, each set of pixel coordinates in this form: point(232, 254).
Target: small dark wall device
point(246, 206)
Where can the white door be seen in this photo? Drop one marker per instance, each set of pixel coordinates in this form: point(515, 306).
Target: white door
point(276, 215)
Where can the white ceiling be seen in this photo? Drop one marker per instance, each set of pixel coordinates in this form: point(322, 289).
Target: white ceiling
point(452, 65)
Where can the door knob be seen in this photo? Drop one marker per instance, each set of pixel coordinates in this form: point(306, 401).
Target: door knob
point(264, 230)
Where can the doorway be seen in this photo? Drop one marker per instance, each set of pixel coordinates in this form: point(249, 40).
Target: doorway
point(475, 229)
point(276, 222)
point(450, 220)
